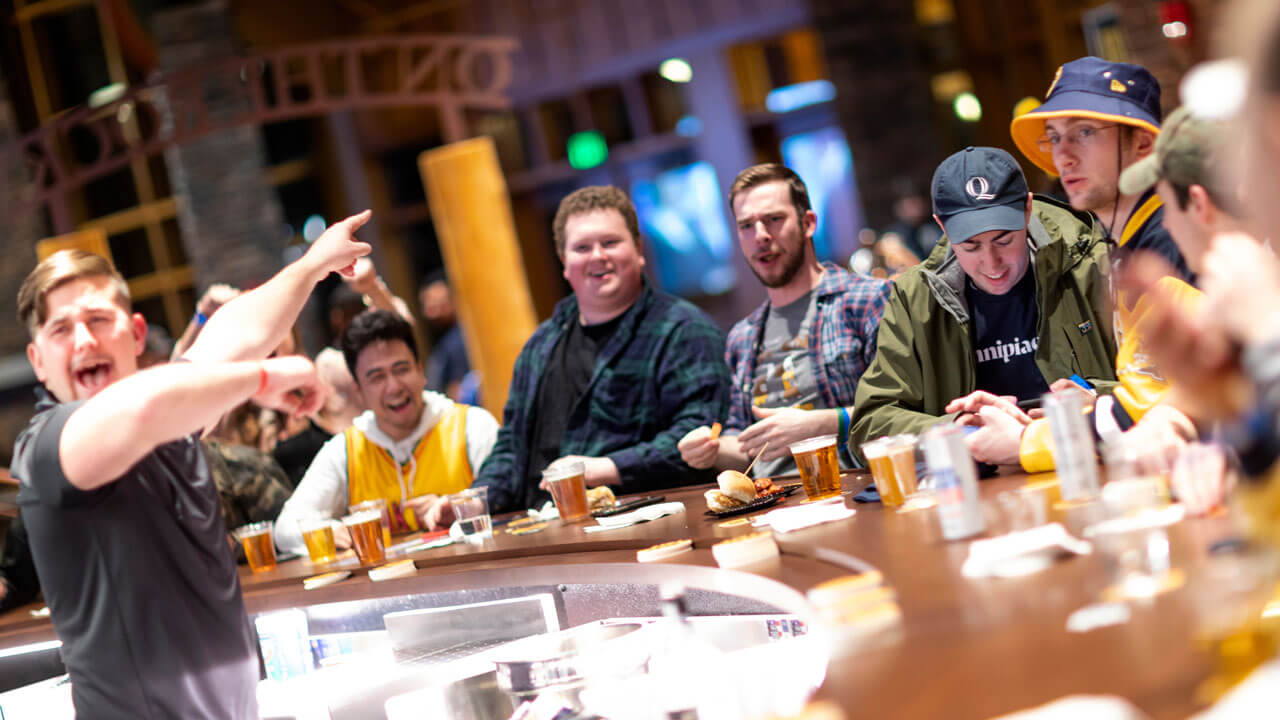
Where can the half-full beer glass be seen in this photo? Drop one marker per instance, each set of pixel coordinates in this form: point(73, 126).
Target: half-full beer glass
point(366, 536)
point(384, 516)
point(258, 545)
point(317, 533)
point(567, 483)
point(819, 466)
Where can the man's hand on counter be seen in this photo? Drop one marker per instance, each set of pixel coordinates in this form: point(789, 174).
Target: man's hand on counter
point(598, 470)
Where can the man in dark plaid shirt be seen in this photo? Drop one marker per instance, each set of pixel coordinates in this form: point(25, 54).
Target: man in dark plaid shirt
point(797, 359)
point(617, 375)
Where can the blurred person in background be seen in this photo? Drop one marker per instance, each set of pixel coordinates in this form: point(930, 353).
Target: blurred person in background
point(448, 364)
point(913, 226)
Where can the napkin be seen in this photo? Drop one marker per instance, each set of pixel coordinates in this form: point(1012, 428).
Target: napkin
point(1022, 552)
point(644, 514)
point(785, 520)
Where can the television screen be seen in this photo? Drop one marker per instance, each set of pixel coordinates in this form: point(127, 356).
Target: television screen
point(823, 161)
point(682, 216)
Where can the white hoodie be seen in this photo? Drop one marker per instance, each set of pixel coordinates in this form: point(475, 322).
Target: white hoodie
point(323, 489)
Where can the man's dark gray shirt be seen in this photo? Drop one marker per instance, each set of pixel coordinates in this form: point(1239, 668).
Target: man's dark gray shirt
point(140, 581)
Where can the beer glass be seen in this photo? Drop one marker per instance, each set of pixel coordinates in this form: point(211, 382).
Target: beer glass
point(471, 507)
point(567, 483)
point(380, 506)
point(819, 466)
point(258, 545)
point(317, 533)
point(366, 536)
point(877, 454)
point(902, 456)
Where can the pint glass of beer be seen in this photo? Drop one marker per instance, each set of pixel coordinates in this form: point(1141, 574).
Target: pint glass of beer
point(258, 545)
point(317, 533)
point(567, 483)
point(819, 466)
point(877, 454)
point(366, 536)
point(384, 516)
point(902, 456)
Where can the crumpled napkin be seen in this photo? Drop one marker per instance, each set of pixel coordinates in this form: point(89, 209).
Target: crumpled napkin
point(644, 514)
point(1022, 552)
point(1148, 519)
point(785, 520)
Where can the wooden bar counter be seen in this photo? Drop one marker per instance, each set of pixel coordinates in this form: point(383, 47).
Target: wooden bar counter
point(966, 648)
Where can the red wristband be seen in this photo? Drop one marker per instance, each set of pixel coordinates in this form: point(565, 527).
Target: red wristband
point(262, 379)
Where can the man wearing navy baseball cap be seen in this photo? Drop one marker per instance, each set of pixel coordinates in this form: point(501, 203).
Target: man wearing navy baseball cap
point(1009, 303)
point(1098, 119)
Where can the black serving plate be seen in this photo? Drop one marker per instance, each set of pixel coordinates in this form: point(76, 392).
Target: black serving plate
point(626, 506)
point(759, 503)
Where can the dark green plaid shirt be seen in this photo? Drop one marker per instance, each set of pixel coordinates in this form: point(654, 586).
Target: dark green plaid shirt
point(660, 375)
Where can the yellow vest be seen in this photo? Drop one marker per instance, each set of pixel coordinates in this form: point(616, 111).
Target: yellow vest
point(1141, 384)
point(439, 466)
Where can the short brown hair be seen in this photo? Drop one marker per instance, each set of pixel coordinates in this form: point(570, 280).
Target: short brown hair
point(57, 270)
point(757, 175)
point(591, 198)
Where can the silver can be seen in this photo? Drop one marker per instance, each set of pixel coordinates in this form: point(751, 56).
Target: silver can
point(1074, 456)
point(955, 481)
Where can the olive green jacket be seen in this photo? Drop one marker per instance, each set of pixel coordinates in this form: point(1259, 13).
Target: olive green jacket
point(925, 355)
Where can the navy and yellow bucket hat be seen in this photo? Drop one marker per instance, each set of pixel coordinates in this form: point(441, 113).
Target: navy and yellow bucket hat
point(1094, 88)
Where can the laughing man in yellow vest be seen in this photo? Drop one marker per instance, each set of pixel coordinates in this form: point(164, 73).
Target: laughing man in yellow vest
point(411, 446)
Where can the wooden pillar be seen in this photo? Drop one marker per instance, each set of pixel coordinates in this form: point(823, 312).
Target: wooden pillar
point(472, 214)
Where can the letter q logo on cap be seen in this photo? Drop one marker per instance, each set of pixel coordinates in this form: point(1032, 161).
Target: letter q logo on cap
point(978, 188)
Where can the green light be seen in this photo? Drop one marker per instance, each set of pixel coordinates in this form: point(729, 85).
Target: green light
point(587, 150)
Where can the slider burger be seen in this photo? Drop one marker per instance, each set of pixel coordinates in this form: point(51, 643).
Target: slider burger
point(600, 498)
point(735, 491)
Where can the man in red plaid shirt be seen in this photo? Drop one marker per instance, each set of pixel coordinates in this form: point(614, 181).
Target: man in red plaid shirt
point(796, 360)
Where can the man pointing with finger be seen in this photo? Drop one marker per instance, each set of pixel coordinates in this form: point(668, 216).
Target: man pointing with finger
point(122, 513)
point(796, 360)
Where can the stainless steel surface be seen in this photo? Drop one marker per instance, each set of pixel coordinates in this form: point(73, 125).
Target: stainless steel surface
point(568, 658)
point(417, 635)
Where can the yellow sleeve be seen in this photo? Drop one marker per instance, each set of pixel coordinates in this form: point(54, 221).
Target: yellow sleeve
point(1141, 384)
point(1036, 451)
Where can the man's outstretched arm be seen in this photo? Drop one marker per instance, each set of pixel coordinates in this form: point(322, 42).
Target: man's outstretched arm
point(253, 324)
point(119, 426)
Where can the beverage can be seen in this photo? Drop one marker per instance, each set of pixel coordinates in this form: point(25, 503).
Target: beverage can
point(1074, 456)
point(285, 643)
point(955, 480)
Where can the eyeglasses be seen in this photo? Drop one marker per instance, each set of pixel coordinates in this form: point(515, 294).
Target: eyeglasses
point(1081, 137)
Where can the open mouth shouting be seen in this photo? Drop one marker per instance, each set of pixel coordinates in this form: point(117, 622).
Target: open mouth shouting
point(400, 405)
point(91, 376)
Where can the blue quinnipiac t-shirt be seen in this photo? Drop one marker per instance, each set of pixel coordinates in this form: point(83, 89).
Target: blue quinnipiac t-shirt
point(1005, 339)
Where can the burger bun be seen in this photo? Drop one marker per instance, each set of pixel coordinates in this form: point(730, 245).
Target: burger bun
point(737, 486)
point(719, 502)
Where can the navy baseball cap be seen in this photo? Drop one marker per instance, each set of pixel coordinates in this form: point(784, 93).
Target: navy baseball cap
point(1092, 88)
point(979, 189)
